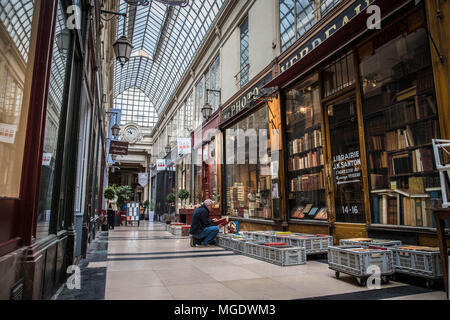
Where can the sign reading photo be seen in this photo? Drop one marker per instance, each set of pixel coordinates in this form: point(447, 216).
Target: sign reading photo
point(244, 100)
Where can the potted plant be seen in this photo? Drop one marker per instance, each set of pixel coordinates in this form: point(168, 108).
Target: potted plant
point(110, 195)
point(145, 205)
point(151, 211)
point(124, 194)
point(170, 201)
point(183, 195)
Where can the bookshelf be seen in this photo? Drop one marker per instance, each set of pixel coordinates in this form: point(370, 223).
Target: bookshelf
point(401, 119)
point(305, 181)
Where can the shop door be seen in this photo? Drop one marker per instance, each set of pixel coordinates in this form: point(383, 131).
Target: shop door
point(346, 161)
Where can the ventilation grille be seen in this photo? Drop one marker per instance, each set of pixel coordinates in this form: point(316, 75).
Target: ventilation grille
point(17, 291)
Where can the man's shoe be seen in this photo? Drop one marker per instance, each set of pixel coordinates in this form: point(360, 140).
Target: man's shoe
point(192, 242)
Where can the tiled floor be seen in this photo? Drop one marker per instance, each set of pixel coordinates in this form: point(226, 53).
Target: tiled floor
point(149, 263)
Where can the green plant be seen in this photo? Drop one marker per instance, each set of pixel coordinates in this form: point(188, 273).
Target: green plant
point(124, 194)
point(171, 198)
point(183, 195)
point(110, 193)
point(152, 205)
point(146, 204)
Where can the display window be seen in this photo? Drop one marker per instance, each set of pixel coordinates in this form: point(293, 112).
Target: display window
point(249, 169)
point(346, 161)
point(206, 173)
point(198, 165)
point(400, 117)
point(55, 111)
point(305, 162)
point(18, 22)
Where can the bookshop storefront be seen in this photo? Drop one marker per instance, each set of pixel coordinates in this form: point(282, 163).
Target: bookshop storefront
point(206, 178)
point(252, 189)
point(358, 131)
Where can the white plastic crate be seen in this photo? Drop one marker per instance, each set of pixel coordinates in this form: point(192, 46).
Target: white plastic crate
point(356, 263)
point(285, 256)
point(424, 264)
point(312, 244)
point(371, 242)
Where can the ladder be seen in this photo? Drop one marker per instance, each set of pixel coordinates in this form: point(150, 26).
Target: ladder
point(443, 167)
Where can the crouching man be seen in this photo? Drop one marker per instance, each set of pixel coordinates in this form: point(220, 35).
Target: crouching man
point(203, 230)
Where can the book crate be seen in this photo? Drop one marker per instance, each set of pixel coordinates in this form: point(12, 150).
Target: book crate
point(366, 242)
point(312, 244)
point(422, 262)
point(355, 261)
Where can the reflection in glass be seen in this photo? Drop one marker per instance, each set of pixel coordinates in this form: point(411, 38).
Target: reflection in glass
point(54, 106)
point(248, 167)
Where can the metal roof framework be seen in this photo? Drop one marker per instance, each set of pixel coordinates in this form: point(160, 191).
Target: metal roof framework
point(165, 39)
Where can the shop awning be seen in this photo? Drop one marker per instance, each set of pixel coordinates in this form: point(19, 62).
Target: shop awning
point(352, 30)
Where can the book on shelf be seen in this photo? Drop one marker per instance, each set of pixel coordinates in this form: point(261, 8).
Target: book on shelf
point(425, 80)
point(322, 214)
point(297, 213)
point(377, 180)
point(313, 212)
point(310, 140)
point(393, 184)
point(308, 182)
point(407, 93)
point(392, 211)
point(414, 161)
point(416, 185)
point(307, 208)
point(375, 209)
point(402, 163)
point(310, 160)
point(378, 160)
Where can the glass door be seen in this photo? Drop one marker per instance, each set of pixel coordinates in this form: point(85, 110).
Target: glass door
point(346, 161)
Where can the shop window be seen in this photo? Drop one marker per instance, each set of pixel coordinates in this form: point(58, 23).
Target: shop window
point(198, 187)
point(338, 74)
point(400, 116)
point(212, 81)
point(305, 178)
point(54, 114)
point(244, 54)
point(15, 25)
point(248, 168)
point(199, 103)
point(346, 161)
point(298, 16)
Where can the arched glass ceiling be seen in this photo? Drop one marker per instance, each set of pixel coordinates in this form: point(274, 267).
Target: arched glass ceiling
point(165, 40)
point(16, 16)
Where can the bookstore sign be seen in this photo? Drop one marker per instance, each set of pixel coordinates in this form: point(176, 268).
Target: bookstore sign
point(347, 168)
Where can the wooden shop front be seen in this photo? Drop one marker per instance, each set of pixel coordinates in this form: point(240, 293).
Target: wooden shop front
point(359, 112)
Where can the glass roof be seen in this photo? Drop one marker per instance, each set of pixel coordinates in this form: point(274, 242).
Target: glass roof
point(59, 62)
point(16, 16)
point(165, 40)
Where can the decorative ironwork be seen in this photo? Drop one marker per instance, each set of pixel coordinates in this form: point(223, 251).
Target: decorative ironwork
point(138, 2)
point(181, 3)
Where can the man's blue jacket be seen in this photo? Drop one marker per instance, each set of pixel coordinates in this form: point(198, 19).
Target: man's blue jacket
point(200, 220)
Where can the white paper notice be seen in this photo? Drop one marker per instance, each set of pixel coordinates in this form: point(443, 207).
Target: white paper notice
point(7, 133)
